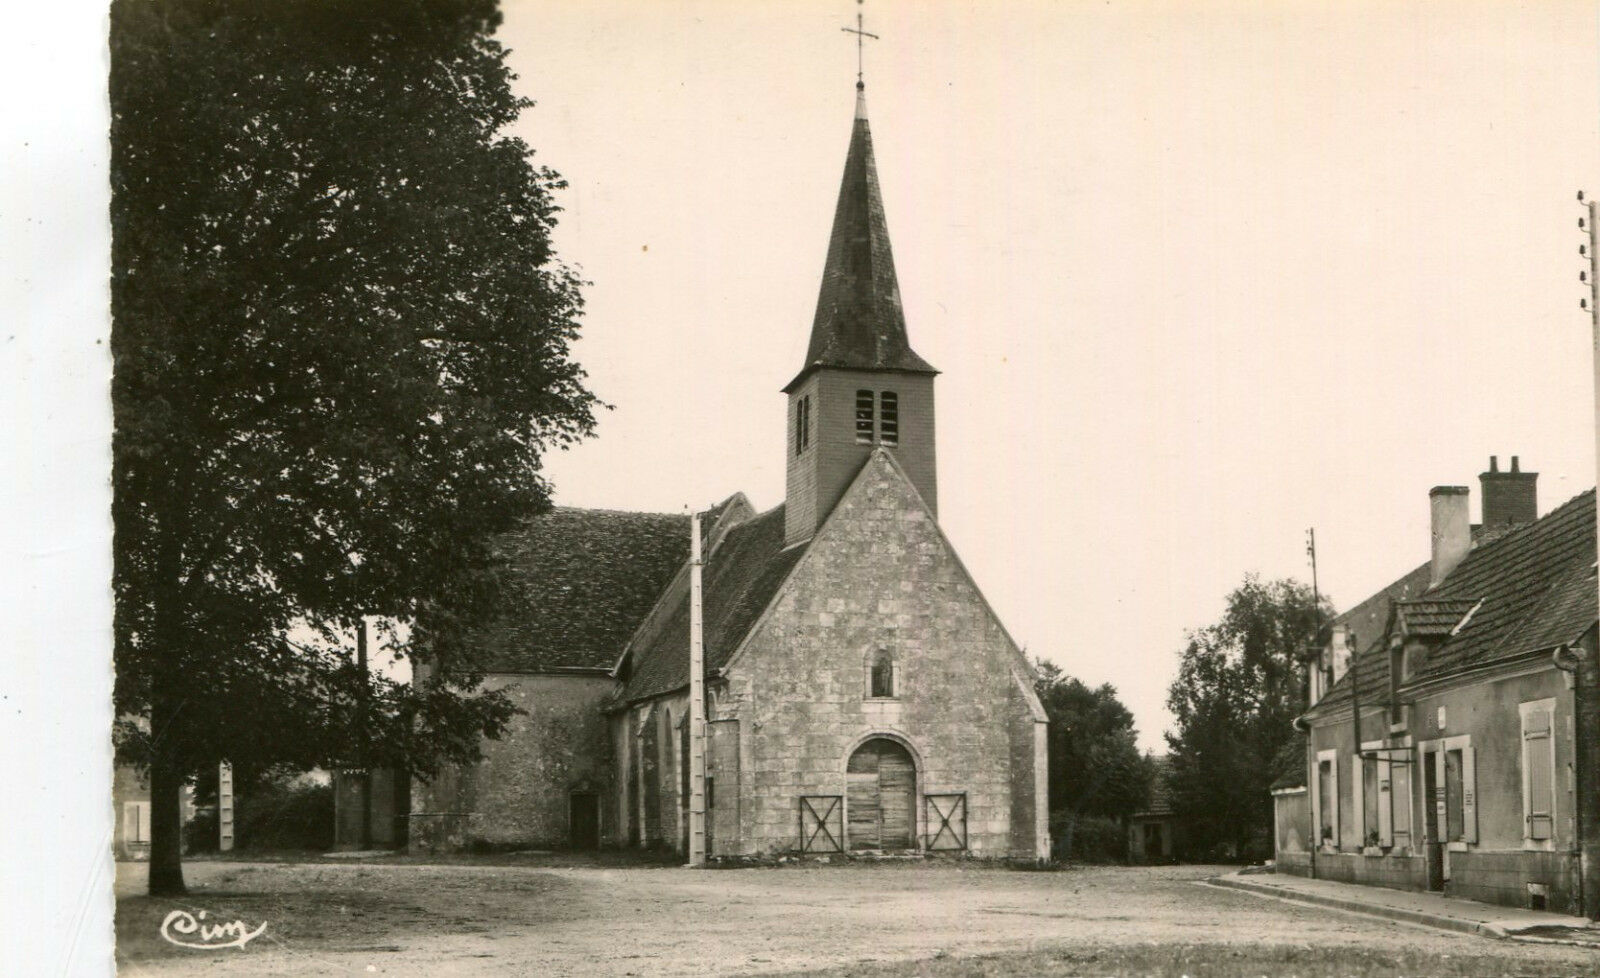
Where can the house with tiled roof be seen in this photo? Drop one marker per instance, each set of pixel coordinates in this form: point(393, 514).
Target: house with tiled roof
point(860, 693)
point(1442, 749)
point(1155, 832)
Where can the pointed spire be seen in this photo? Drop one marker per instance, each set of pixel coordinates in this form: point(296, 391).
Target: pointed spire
point(859, 322)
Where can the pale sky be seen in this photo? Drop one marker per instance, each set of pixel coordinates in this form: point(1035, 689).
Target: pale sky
point(1198, 276)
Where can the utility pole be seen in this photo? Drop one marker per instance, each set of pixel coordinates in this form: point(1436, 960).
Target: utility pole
point(697, 704)
point(364, 745)
point(1586, 674)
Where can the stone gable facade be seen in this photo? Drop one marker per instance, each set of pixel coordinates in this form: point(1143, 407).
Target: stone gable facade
point(881, 578)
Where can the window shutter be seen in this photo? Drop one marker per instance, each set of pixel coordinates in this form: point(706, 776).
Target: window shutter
point(1358, 806)
point(1400, 793)
point(1333, 806)
point(1385, 804)
point(1538, 778)
point(1469, 795)
point(1439, 805)
point(1316, 804)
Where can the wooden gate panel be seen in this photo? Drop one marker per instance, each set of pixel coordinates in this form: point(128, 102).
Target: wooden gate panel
point(946, 820)
point(821, 823)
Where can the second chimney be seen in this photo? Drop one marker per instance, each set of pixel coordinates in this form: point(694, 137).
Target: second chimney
point(1509, 497)
point(1452, 530)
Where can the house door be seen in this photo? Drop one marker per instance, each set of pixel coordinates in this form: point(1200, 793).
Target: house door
point(881, 782)
point(1153, 849)
point(1432, 805)
point(585, 820)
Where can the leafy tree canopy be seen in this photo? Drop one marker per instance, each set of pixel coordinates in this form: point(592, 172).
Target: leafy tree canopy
point(1095, 767)
point(341, 347)
point(1240, 685)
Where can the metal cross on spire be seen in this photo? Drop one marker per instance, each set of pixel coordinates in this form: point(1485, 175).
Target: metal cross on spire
point(861, 36)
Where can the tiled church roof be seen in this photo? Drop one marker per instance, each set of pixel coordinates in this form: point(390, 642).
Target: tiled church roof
point(860, 322)
point(583, 580)
point(739, 579)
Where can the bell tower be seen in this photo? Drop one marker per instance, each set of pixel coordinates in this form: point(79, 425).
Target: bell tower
point(862, 386)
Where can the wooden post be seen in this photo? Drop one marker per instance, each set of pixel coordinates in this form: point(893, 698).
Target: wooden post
point(697, 704)
point(225, 807)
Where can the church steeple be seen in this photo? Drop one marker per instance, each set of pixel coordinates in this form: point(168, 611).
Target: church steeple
point(859, 322)
point(861, 387)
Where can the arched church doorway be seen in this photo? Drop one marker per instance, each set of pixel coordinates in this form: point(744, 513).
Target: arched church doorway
point(881, 780)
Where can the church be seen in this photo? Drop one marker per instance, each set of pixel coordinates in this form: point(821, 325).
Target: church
point(861, 694)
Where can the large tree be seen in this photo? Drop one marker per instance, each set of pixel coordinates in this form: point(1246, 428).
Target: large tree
point(341, 348)
point(1240, 685)
point(1095, 766)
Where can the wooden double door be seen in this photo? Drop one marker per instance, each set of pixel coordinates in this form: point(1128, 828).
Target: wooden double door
point(881, 800)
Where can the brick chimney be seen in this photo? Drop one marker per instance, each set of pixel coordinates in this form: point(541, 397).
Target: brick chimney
point(1452, 529)
point(1509, 497)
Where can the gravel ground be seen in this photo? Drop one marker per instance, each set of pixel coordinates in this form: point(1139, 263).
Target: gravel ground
point(339, 919)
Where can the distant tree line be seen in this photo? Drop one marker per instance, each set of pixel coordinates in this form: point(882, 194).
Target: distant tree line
point(1097, 776)
point(1241, 683)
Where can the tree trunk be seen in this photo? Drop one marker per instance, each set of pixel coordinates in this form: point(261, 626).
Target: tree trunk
point(167, 767)
point(166, 803)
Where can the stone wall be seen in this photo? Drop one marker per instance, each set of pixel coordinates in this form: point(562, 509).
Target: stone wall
point(879, 576)
point(1294, 864)
point(1392, 871)
point(520, 793)
point(1291, 818)
point(1504, 877)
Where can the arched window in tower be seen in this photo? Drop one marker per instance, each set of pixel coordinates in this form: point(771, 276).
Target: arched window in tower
point(881, 681)
point(864, 419)
point(889, 418)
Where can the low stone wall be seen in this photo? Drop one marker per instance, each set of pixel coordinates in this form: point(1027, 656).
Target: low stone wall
point(1394, 872)
point(1503, 878)
point(1294, 863)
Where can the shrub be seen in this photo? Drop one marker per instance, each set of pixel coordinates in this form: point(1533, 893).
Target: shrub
point(278, 816)
point(287, 818)
point(1088, 838)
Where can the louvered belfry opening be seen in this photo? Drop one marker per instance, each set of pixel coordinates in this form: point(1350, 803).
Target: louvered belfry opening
point(881, 782)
